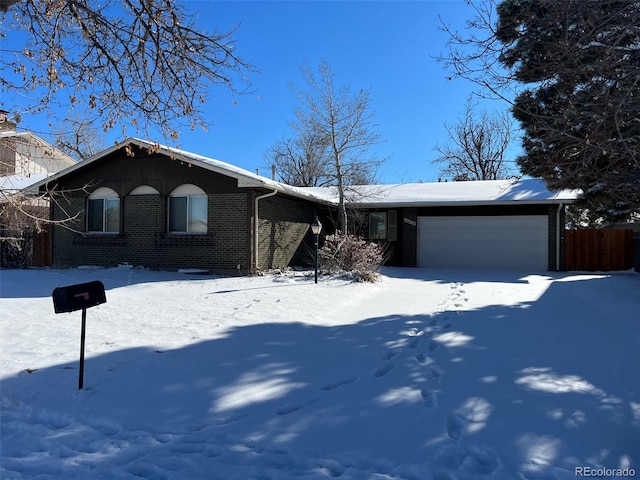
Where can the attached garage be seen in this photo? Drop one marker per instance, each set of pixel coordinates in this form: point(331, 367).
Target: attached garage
point(509, 242)
point(492, 224)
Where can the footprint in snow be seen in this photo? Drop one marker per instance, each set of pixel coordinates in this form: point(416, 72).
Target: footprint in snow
point(455, 425)
point(477, 461)
point(415, 341)
point(435, 374)
point(382, 371)
point(429, 397)
point(294, 407)
point(422, 359)
point(338, 384)
point(226, 420)
point(164, 437)
point(332, 468)
point(390, 354)
point(433, 345)
point(482, 461)
point(108, 429)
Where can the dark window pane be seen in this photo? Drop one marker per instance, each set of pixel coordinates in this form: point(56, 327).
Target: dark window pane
point(95, 213)
point(378, 225)
point(177, 214)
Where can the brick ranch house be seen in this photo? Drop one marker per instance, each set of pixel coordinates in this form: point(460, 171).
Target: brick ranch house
point(145, 204)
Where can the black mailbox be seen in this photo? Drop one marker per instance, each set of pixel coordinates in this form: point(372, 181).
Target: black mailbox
point(78, 297)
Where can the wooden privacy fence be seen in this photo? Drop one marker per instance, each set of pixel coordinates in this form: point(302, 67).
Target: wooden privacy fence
point(30, 249)
point(42, 248)
point(599, 250)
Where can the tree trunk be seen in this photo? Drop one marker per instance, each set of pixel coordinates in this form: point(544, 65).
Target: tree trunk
point(342, 209)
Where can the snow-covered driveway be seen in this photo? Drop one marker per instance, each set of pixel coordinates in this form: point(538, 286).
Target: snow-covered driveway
point(428, 374)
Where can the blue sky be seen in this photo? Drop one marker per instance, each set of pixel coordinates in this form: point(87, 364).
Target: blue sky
point(388, 47)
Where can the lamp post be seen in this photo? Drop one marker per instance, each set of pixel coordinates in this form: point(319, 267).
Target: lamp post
point(316, 228)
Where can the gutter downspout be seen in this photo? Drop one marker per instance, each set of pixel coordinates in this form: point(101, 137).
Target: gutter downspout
point(255, 226)
point(560, 207)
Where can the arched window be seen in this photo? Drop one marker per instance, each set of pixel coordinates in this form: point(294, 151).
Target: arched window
point(188, 210)
point(103, 211)
point(144, 190)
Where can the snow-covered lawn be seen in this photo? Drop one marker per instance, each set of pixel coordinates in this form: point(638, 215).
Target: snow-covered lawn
point(428, 374)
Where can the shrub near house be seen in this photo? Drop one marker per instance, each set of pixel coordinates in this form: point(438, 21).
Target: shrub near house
point(345, 253)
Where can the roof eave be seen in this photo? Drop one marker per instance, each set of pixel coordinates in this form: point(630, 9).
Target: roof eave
point(244, 180)
point(469, 203)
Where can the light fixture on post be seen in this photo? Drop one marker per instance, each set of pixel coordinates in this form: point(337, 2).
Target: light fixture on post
point(316, 228)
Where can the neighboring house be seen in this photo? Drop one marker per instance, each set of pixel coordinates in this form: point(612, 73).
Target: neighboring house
point(167, 208)
point(26, 158)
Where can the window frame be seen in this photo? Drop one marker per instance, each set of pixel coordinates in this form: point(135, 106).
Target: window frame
point(389, 221)
point(103, 196)
point(379, 233)
point(188, 192)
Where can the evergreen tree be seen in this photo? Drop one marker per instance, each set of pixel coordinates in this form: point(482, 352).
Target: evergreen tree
point(580, 112)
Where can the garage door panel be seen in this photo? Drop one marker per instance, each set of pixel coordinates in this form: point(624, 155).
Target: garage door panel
point(518, 242)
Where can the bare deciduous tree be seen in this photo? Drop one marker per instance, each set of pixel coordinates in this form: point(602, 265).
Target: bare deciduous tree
point(474, 53)
point(77, 138)
point(477, 147)
point(340, 124)
point(139, 63)
point(301, 161)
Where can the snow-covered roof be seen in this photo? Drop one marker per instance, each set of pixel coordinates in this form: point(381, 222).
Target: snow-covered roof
point(15, 183)
point(245, 178)
point(455, 194)
point(373, 196)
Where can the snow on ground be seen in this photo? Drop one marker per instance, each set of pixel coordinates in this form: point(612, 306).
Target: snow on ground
point(428, 374)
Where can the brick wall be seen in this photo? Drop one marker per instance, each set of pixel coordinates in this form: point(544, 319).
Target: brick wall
point(142, 224)
point(282, 227)
point(228, 223)
point(7, 156)
point(63, 252)
point(143, 240)
point(7, 147)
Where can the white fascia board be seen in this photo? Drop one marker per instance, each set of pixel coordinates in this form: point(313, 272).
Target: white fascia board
point(468, 203)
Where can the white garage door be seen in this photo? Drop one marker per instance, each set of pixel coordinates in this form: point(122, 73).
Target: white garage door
point(514, 242)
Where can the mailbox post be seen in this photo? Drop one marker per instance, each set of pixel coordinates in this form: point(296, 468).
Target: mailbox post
point(79, 297)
